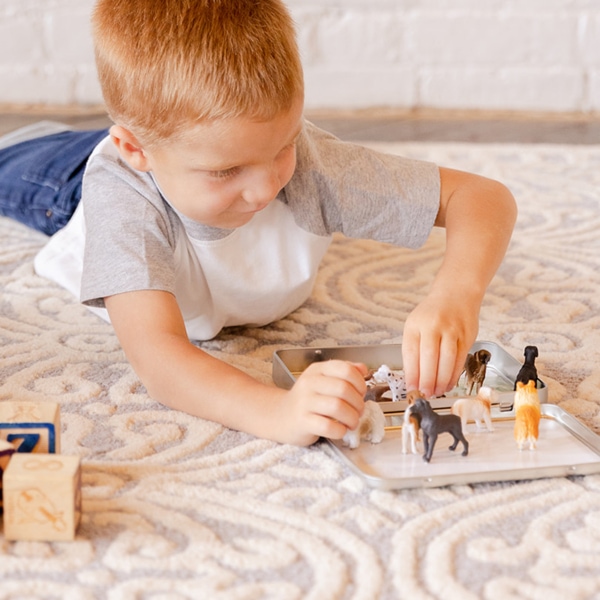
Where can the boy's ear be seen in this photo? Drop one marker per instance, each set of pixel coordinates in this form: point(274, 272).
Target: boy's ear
point(129, 148)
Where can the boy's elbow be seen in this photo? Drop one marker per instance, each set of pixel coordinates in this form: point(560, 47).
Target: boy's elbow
point(505, 198)
point(469, 193)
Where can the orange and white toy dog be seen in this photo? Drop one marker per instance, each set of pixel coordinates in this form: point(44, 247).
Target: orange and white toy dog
point(411, 424)
point(476, 408)
point(371, 427)
point(527, 414)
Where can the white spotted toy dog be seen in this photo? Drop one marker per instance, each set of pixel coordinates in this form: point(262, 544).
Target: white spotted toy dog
point(394, 379)
point(476, 409)
point(371, 427)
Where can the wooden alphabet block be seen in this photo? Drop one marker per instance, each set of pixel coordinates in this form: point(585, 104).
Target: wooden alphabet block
point(42, 497)
point(31, 426)
point(6, 451)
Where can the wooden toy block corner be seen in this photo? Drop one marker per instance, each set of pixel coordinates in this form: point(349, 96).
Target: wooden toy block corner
point(41, 489)
point(31, 426)
point(42, 497)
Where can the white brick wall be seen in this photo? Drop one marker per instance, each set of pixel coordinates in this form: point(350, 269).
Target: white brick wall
point(471, 54)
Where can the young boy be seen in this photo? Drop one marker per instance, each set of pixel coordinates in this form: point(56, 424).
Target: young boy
point(212, 203)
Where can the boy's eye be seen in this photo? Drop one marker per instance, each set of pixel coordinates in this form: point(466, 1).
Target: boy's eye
point(225, 173)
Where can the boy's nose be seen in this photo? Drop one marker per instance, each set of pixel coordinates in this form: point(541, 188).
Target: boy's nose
point(264, 188)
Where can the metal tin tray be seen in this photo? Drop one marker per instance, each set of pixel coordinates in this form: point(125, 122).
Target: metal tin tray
point(500, 374)
point(565, 447)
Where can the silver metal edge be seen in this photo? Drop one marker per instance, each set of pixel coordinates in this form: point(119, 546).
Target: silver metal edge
point(570, 423)
point(282, 375)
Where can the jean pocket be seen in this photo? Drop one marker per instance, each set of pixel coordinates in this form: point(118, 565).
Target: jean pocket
point(61, 156)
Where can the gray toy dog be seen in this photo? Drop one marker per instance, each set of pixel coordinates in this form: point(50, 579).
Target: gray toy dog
point(433, 424)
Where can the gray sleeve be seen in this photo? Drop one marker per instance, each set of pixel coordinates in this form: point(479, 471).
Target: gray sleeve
point(344, 187)
point(129, 239)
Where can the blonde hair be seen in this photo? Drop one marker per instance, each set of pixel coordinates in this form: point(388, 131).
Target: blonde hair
point(166, 64)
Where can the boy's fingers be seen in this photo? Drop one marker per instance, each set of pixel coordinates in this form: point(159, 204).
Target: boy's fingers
point(429, 355)
point(328, 428)
point(344, 371)
point(447, 366)
point(410, 361)
point(362, 368)
point(336, 409)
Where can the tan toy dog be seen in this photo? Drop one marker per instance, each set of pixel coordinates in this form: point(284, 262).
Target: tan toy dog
point(476, 409)
point(371, 427)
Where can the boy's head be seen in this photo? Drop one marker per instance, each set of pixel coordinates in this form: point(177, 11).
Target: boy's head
point(165, 65)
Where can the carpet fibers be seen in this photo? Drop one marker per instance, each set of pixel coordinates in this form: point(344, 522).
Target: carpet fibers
point(176, 507)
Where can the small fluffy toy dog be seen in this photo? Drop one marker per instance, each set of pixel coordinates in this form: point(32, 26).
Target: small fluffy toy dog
point(433, 424)
point(475, 368)
point(476, 409)
point(371, 427)
point(528, 372)
point(394, 379)
point(527, 415)
point(411, 424)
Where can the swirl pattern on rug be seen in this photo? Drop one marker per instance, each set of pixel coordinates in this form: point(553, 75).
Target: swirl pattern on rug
point(177, 507)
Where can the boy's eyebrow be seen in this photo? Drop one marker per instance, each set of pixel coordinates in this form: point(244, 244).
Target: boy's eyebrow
point(293, 140)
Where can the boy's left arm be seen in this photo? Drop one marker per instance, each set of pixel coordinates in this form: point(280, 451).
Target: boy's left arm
point(479, 215)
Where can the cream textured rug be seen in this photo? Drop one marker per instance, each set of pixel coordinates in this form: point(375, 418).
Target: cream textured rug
point(175, 507)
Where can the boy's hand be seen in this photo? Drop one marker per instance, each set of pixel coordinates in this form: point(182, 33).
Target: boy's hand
point(326, 400)
point(479, 215)
point(437, 337)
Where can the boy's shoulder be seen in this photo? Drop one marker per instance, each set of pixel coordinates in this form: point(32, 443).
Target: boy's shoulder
point(110, 181)
point(105, 168)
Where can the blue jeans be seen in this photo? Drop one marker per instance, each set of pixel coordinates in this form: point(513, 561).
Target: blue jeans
point(40, 179)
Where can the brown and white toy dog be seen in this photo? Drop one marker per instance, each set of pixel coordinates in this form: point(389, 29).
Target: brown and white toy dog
point(412, 423)
point(371, 427)
point(527, 414)
point(476, 409)
point(475, 368)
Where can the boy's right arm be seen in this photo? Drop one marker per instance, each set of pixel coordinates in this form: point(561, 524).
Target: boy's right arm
point(326, 400)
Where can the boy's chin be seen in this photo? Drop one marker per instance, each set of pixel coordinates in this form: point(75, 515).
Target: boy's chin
point(234, 221)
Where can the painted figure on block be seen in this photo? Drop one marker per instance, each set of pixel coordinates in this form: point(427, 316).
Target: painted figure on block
point(527, 415)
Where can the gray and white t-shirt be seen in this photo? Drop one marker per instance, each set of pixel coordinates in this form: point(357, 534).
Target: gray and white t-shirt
point(125, 236)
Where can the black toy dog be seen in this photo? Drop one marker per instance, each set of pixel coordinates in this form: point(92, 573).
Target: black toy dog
point(433, 424)
point(528, 371)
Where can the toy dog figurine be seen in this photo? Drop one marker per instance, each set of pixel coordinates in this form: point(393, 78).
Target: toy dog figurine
point(371, 427)
point(433, 424)
point(395, 380)
point(375, 391)
point(475, 368)
point(411, 424)
point(476, 409)
point(527, 414)
point(528, 371)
